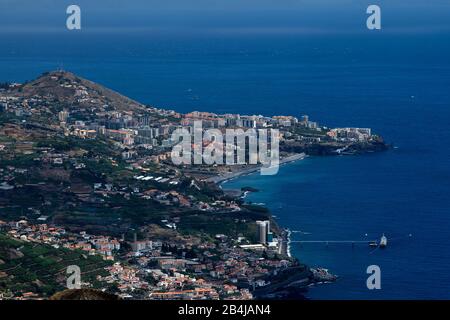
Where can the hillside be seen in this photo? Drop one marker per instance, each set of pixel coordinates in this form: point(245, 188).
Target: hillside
point(41, 269)
point(71, 151)
point(74, 91)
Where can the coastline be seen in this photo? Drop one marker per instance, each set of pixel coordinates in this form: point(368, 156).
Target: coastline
point(316, 275)
point(221, 179)
point(287, 240)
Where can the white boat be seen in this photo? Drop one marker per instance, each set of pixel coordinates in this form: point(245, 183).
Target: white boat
point(383, 241)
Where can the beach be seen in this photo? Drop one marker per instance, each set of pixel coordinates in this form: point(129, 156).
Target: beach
point(222, 178)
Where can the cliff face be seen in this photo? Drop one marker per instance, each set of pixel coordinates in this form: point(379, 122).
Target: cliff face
point(291, 283)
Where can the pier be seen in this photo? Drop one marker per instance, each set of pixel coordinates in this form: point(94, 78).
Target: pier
point(377, 243)
point(333, 241)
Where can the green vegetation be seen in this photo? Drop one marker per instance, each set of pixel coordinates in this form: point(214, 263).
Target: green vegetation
point(38, 268)
point(6, 117)
point(18, 160)
point(232, 224)
point(308, 132)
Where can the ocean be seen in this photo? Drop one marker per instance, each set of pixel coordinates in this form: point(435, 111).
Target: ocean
point(395, 83)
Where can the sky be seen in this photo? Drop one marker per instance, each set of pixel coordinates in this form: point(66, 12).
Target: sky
point(258, 16)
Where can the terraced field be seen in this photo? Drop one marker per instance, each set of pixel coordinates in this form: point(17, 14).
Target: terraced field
point(39, 268)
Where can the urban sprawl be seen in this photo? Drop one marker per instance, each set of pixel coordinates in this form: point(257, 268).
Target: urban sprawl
point(85, 169)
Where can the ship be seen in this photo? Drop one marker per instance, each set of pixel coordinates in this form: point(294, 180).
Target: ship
point(383, 241)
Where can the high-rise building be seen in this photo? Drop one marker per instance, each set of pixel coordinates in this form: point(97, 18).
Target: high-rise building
point(146, 135)
point(263, 231)
point(63, 115)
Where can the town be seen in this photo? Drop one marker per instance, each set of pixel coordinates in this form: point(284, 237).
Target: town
point(175, 268)
point(85, 169)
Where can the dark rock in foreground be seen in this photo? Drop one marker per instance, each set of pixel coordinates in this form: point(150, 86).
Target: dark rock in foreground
point(83, 294)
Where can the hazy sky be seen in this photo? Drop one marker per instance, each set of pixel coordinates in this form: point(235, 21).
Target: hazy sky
point(223, 15)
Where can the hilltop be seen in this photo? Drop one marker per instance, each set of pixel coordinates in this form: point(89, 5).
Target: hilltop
point(73, 91)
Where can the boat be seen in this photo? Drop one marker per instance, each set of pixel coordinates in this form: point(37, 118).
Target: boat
point(383, 241)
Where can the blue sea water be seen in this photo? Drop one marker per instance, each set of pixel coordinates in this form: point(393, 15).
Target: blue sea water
point(397, 84)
